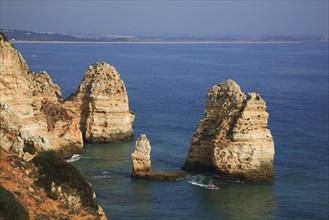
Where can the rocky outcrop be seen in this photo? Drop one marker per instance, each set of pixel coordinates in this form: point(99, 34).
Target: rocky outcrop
point(18, 175)
point(141, 159)
point(31, 112)
point(34, 113)
point(101, 104)
point(233, 136)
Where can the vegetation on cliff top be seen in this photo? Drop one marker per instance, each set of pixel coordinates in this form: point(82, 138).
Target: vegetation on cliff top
point(54, 169)
point(10, 208)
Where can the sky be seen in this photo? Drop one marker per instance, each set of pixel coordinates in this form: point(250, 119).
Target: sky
point(155, 17)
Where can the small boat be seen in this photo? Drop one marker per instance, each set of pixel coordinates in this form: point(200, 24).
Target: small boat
point(212, 186)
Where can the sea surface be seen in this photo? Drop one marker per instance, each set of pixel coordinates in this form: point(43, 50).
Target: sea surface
point(167, 86)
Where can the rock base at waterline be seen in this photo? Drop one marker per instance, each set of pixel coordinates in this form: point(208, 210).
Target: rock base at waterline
point(150, 175)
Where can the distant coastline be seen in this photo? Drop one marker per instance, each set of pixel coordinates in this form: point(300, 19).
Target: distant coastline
point(159, 42)
point(19, 36)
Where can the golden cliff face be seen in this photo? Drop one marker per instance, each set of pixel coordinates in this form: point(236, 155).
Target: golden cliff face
point(101, 103)
point(29, 103)
point(34, 113)
point(233, 136)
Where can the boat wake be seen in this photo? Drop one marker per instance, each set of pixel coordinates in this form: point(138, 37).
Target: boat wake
point(197, 184)
point(202, 181)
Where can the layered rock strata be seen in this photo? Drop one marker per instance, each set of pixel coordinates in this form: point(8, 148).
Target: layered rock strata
point(101, 104)
point(233, 136)
point(31, 112)
point(34, 113)
point(141, 160)
point(141, 157)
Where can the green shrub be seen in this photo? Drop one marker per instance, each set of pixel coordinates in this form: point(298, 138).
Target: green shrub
point(30, 149)
point(53, 168)
point(10, 208)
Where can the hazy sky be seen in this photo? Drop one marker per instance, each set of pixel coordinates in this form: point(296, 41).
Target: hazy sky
point(168, 17)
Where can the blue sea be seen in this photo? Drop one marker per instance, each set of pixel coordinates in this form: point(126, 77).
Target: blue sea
point(167, 86)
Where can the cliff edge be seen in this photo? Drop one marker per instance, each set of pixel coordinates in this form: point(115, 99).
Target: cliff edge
point(31, 111)
point(34, 113)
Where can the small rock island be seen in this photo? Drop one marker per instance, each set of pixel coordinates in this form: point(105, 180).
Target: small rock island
point(141, 157)
point(141, 160)
point(233, 137)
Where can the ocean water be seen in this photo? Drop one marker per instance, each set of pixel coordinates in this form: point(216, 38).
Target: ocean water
point(167, 86)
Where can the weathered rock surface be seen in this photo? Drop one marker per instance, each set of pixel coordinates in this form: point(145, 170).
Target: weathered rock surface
point(141, 159)
point(34, 113)
point(18, 175)
point(233, 136)
point(101, 104)
point(31, 112)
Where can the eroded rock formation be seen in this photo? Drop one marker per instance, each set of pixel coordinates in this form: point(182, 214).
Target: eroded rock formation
point(233, 136)
point(34, 113)
point(101, 103)
point(141, 157)
point(31, 112)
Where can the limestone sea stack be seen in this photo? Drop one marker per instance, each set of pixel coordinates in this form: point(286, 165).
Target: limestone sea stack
point(233, 137)
point(101, 104)
point(31, 109)
point(141, 157)
point(141, 160)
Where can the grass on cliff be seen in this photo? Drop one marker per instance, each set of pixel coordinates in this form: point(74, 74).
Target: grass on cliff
point(53, 168)
point(10, 208)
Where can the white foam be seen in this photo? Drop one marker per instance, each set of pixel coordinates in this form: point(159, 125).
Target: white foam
point(199, 180)
point(102, 177)
point(202, 185)
point(74, 158)
point(197, 184)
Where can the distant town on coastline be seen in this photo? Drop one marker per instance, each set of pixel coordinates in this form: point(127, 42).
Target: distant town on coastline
point(23, 36)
